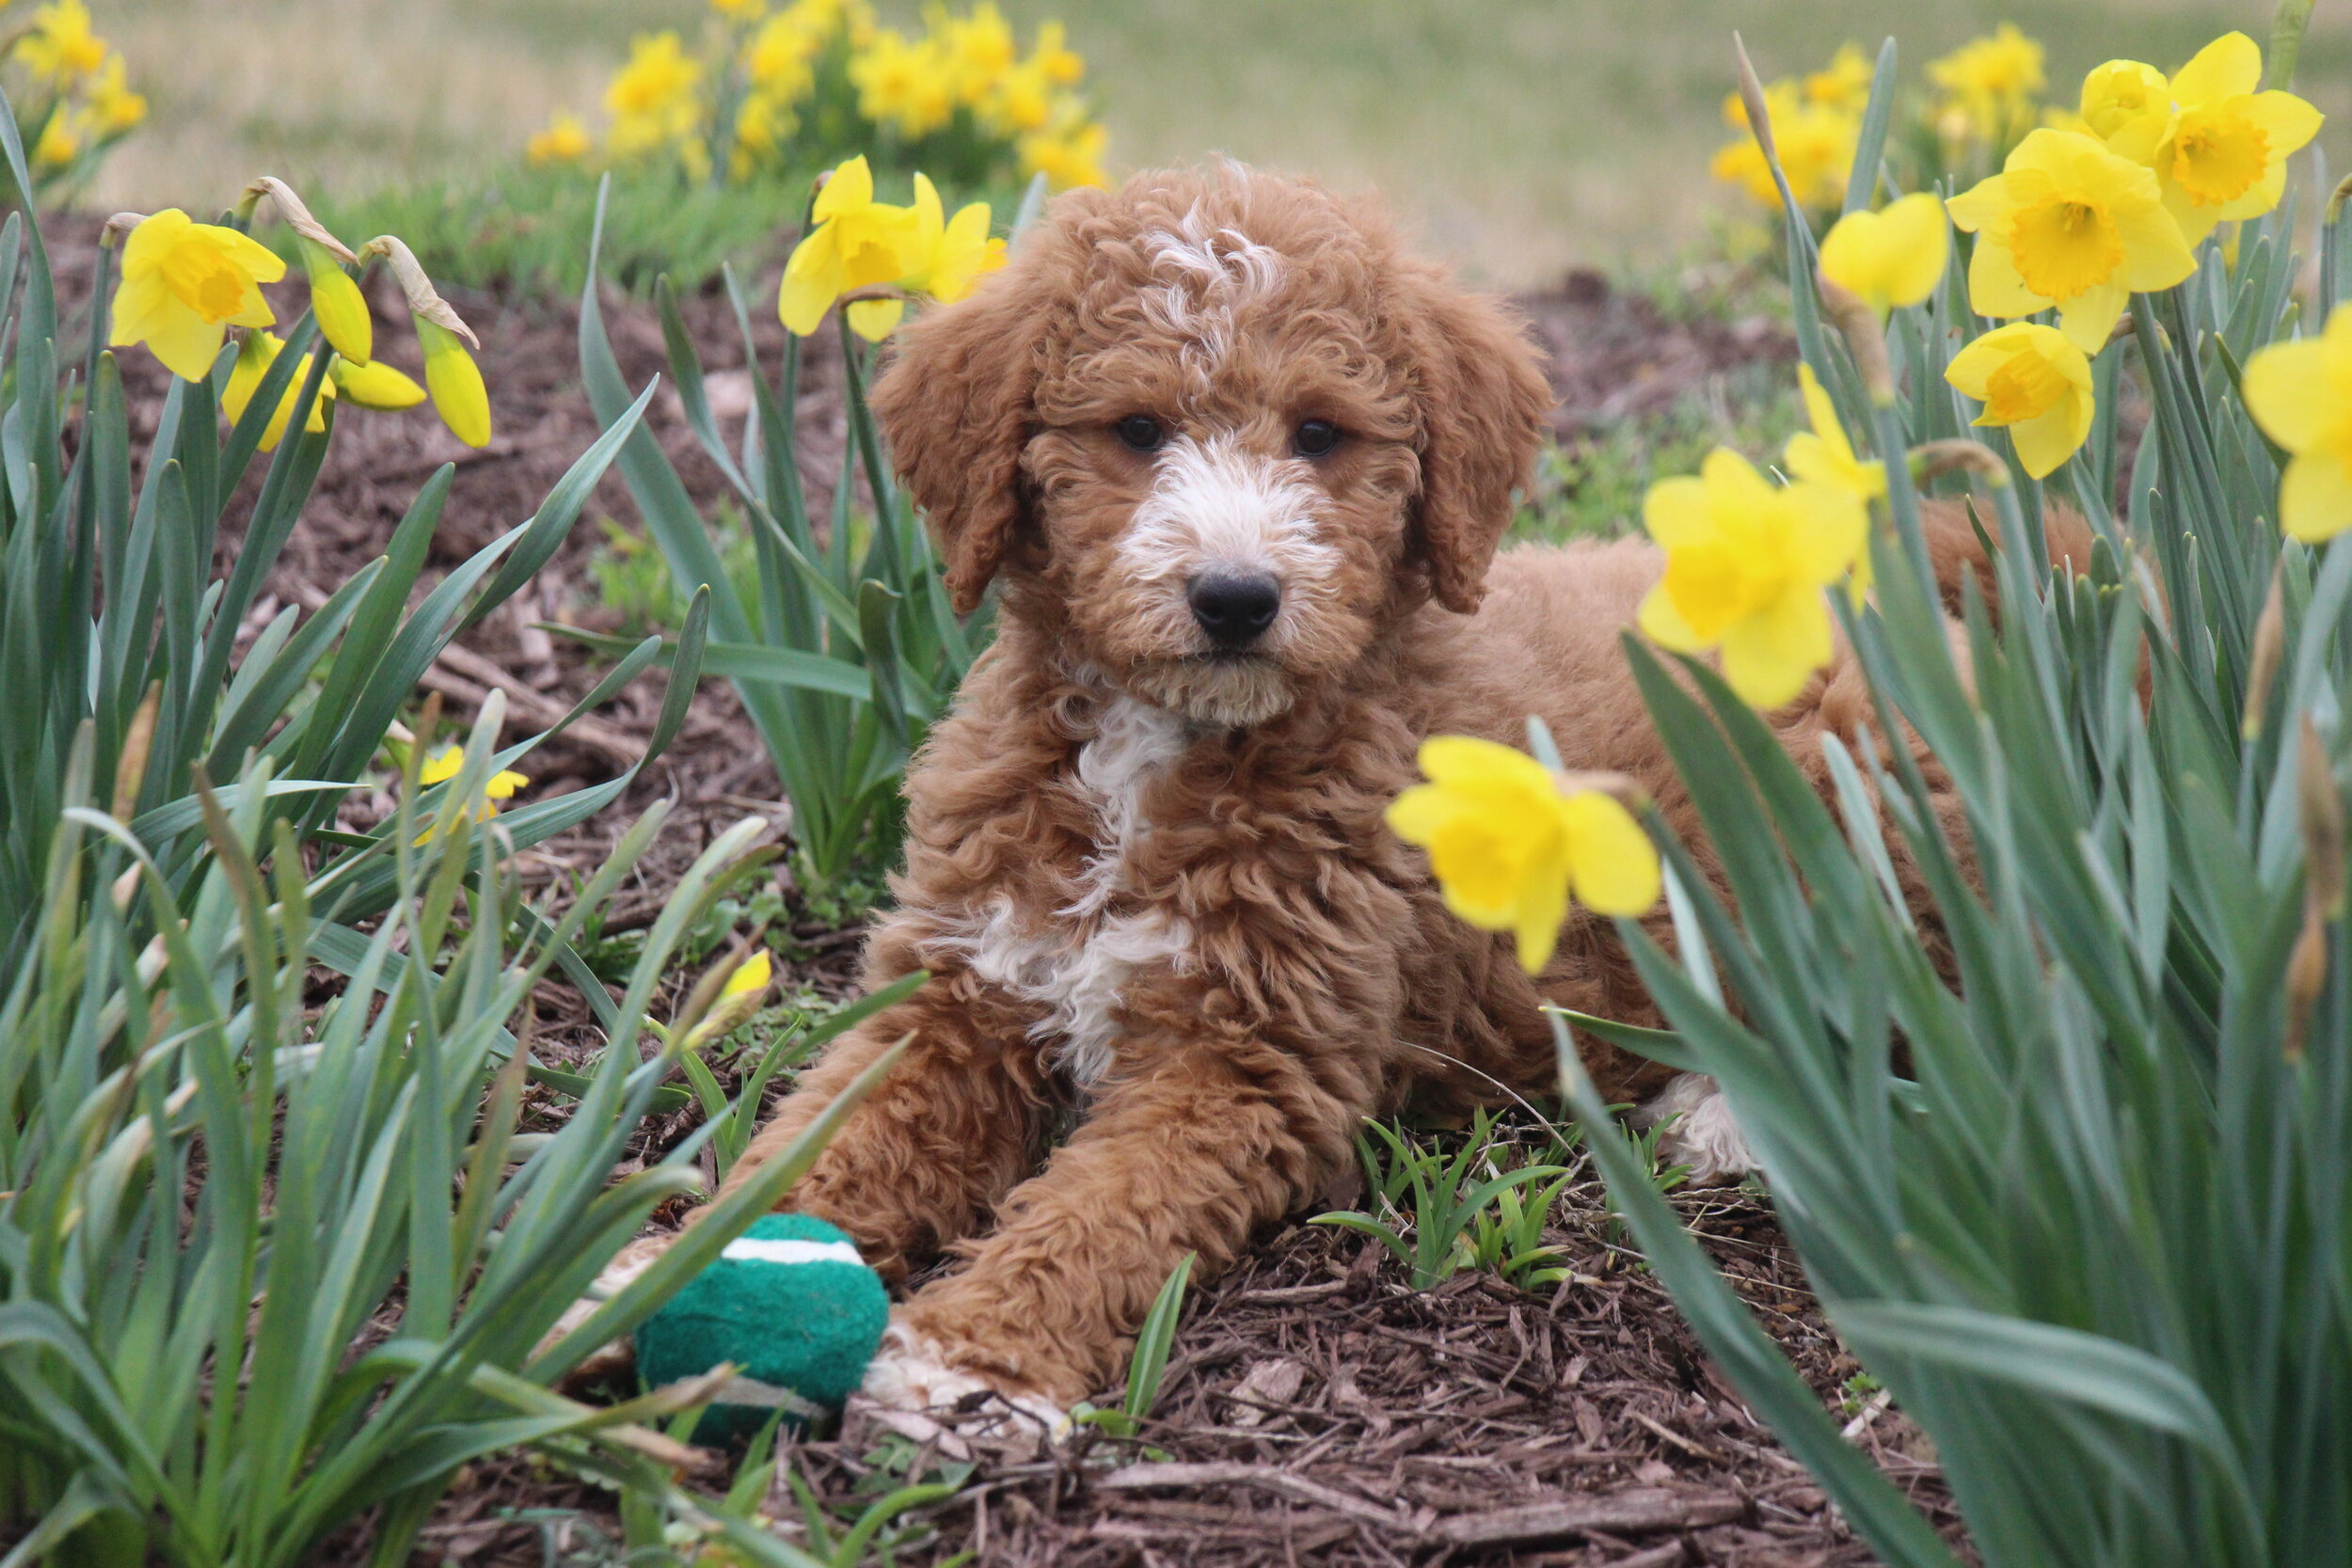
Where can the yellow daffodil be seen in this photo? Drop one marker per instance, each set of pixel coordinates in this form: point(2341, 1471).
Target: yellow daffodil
point(2068, 224)
point(1845, 86)
point(653, 99)
point(1023, 100)
point(373, 385)
point(185, 284)
point(1988, 84)
point(1053, 58)
point(455, 382)
point(762, 125)
point(1816, 144)
point(751, 976)
point(857, 242)
point(336, 301)
point(2035, 381)
point(1746, 564)
point(254, 359)
point(1508, 846)
point(777, 59)
point(911, 86)
point(2218, 144)
point(564, 141)
point(447, 762)
point(1892, 257)
point(2122, 93)
point(60, 141)
point(114, 108)
point(1069, 154)
point(1823, 456)
point(61, 49)
point(2301, 393)
point(979, 50)
point(949, 256)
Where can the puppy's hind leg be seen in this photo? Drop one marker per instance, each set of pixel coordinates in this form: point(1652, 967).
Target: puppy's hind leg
point(1700, 1131)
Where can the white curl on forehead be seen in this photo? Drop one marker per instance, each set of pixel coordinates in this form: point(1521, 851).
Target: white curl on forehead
point(1209, 273)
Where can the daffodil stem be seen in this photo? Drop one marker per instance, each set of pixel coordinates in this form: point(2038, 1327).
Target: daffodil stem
point(2287, 23)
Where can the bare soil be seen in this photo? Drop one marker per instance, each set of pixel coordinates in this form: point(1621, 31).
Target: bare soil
point(1317, 1409)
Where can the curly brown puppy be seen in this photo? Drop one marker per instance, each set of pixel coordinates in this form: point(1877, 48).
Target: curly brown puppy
point(1238, 469)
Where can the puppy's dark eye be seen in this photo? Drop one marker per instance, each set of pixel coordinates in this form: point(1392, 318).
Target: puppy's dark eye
point(1315, 437)
point(1141, 432)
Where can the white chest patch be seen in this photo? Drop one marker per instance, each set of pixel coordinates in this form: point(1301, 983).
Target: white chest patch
point(1076, 964)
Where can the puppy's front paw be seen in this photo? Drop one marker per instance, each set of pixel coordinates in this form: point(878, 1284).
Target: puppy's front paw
point(611, 1361)
point(913, 1387)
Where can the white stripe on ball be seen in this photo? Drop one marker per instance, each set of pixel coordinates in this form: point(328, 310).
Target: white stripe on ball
point(753, 1249)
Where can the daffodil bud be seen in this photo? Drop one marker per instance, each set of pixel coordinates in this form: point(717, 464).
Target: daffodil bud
point(455, 382)
point(1932, 460)
point(375, 386)
point(2270, 638)
point(2321, 806)
point(336, 300)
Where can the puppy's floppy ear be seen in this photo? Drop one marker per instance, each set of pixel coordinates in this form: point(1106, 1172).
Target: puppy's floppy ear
point(1486, 407)
point(957, 406)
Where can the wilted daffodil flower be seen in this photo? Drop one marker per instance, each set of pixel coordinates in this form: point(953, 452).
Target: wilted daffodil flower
point(2301, 393)
point(2069, 225)
point(856, 243)
point(1892, 257)
point(450, 376)
point(2217, 145)
point(2034, 380)
point(1746, 564)
point(335, 299)
point(1508, 844)
point(185, 284)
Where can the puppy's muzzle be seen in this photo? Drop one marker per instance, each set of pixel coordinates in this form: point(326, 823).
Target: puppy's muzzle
point(1233, 606)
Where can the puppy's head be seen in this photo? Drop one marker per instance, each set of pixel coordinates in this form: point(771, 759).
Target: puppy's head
point(1215, 435)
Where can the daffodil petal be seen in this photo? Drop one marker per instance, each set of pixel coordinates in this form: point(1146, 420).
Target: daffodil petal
point(1612, 864)
point(2229, 66)
point(1768, 655)
point(2288, 393)
point(2315, 497)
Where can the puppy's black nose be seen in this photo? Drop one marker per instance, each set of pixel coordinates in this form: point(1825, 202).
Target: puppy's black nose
point(1233, 608)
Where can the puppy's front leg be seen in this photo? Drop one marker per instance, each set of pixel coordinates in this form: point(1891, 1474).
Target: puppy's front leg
point(1189, 1151)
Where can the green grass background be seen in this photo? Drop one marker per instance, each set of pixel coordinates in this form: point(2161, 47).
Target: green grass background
point(1519, 137)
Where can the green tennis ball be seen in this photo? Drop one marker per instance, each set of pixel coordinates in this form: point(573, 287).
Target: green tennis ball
point(791, 1304)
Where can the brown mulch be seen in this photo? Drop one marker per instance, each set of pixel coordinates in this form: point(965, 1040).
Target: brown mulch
point(1317, 1409)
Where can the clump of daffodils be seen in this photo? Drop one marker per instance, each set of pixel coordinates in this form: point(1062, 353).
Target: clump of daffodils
point(770, 90)
point(71, 93)
point(879, 254)
point(2116, 200)
point(1980, 100)
point(188, 289)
